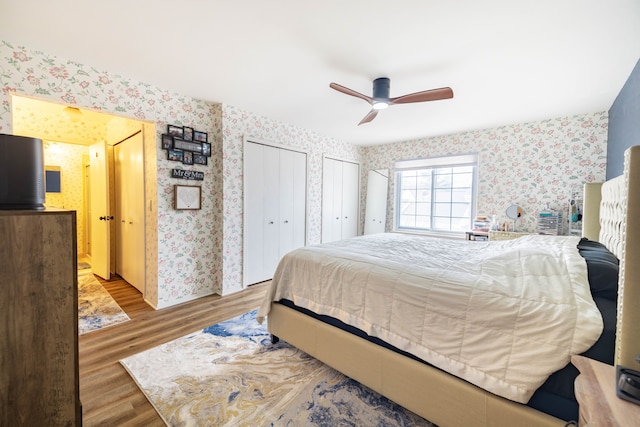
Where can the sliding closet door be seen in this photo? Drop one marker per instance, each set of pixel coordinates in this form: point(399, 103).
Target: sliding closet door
point(275, 207)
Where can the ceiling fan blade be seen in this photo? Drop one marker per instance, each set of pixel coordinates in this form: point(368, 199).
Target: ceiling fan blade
point(372, 115)
point(351, 92)
point(427, 95)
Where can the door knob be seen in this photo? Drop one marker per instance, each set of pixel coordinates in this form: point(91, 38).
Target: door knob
point(106, 218)
point(286, 221)
point(270, 222)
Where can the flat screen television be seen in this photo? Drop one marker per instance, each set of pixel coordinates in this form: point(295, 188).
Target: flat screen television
point(22, 181)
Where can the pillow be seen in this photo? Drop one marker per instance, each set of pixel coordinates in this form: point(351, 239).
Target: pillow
point(602, 269)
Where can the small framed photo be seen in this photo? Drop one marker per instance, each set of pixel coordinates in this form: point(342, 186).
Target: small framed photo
point(187, 133)
point(174, 130)
point(175, 155)
point(167, 141)
point(206, 149)
point(199, 159)
point(187, 196)
point(187, 158)
point(199, 136)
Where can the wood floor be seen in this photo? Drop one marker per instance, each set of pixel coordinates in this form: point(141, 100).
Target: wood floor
point(108, 394)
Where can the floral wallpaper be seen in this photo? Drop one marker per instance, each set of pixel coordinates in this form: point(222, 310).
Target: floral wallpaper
point(68, 157)
point(531, 164)
point(238, 125)
point(196, 253)
point(183, 266)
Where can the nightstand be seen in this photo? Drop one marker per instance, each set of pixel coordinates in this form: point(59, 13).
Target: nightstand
point(595, 390)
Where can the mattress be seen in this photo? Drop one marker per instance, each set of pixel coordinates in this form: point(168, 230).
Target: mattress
point(458, 319)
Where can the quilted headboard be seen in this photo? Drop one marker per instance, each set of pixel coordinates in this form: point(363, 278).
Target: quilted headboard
point(618, 227)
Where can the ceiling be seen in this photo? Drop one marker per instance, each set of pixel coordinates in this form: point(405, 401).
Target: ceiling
point(507, 61)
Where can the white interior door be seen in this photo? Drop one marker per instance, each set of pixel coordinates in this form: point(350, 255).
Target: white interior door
point(254, 215)
point(375, 214)
point(271, 206)
point(286, 196)
point(100, 210)
point(328, 218)
point(129, 218)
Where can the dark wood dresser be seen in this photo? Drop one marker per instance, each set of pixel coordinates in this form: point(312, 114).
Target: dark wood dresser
point(39, 384)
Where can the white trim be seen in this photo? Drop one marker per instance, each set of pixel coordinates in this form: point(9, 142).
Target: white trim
point(440, 161)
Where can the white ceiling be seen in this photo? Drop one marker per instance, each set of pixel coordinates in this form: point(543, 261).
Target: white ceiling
point(507, 61)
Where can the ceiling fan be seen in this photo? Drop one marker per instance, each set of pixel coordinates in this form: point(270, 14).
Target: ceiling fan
point(380, 99)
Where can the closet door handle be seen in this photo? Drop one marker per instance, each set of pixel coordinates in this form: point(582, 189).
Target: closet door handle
point(286, 221)
point(270, 222)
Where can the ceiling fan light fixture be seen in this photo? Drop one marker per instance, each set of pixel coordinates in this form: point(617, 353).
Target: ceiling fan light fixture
point(380, 104)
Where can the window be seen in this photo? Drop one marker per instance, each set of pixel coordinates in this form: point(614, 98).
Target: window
point(436, 194)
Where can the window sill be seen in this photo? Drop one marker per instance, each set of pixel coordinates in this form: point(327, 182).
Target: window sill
point(441, 234)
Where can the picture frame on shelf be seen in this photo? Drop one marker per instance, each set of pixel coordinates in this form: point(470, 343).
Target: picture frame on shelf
point(175, 131)
point(200, 159)
point(187, 197)
point(167, 141)
point(175, 155)
point(200, 136)
point(187, 133)
point(206, 149)
point(187, 158)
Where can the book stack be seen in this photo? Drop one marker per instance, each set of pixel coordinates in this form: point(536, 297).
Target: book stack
point(549, 222)
point(481, 223)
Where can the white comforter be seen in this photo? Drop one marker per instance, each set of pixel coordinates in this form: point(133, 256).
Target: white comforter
point(502, 315)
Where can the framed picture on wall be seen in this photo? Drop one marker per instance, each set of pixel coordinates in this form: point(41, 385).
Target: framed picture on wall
point(199, 159)
point(175, 155)
point(187, 196)
point(200, 136)
point(174, 130)
point(187, 158)
point(206, 149)
point(167, 141)
point(187, 133)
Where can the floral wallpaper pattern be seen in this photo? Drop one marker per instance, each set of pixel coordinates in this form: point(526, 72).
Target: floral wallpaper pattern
point(238, 125)
point(69, 158)
point(183, 267)
point(196, 253)
point(531, 164)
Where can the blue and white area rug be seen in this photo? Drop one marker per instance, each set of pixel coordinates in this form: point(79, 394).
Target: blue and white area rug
point(230, 374)
point(96, 307)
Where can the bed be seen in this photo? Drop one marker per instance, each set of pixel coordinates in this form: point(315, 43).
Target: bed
point(381, 358)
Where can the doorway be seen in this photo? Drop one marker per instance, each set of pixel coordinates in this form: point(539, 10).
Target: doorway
point(67, 133)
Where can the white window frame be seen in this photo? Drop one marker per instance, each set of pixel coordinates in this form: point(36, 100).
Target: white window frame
point(464, 160)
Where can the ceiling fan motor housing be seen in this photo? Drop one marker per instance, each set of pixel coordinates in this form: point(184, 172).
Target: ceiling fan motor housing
point(381, 88)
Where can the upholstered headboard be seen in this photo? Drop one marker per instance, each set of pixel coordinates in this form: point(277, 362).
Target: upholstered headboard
point(617, 226)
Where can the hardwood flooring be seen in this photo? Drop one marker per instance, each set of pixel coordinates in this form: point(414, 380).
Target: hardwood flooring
point(108, 395)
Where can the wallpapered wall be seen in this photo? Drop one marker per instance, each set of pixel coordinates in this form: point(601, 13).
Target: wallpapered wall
point(530, 164)
point(69, 158)
point(200, 252)
point(186, 267)
point(237, 125)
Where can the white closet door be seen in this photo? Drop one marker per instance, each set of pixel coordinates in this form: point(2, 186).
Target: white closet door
point(271, 234)
point(299, 200)
point(286, 202)
point(328, 217)
point(254, 218)
point(349, 202)
point(275, 186)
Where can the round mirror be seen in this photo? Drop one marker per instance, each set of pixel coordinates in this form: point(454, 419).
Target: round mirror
point(514, 212)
